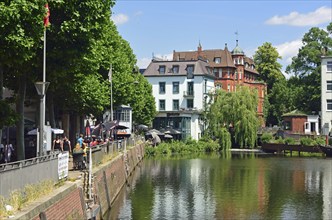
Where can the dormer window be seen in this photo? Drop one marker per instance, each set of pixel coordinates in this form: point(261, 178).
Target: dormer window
point(176, 69)
point(162, 69)
point(190, 71)
point(217, 60)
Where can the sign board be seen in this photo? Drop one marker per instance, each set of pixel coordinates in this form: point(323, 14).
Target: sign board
point(63, 161)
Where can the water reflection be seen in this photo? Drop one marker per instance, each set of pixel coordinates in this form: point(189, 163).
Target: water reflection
point(218, 187)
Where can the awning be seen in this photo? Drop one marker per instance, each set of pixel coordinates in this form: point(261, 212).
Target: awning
point(54, 131)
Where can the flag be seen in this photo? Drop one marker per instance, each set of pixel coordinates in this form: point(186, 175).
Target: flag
point(47, 16)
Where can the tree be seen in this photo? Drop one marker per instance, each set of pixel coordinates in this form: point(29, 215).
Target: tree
point(306, 66)
point(234, 115)
point(266, 60)
point(21, 31)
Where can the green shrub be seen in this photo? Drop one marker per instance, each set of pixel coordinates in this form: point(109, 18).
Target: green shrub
point(290, 140)
point(320, 141)
point(280, 140)
point(266, 137)
point(307, 141)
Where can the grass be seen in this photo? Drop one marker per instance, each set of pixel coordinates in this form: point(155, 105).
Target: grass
point(20, 198)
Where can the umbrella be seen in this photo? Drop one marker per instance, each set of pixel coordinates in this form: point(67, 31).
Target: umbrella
point(142, 127)
point(171, 131)
point(155, 131)
point(168, 136)
point(98, 130)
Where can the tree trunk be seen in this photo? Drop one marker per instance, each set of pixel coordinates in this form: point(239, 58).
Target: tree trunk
point(20, 148)
point(1, 95)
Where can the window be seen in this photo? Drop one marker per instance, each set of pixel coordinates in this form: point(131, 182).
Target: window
point(175, 104)
point(228, 73)
point(161, 104)
point(175, 87)
point(190, 71)
point(162, 87)
point(190, 90)
point(217, 59)
point(228, 88)
point(287, 125)
point(218, 86)
point(329, 85)
point(176, 69)
point(240, 75)
point(329, 66)
point(162, 69)
point(190, 103)
point(329, 104)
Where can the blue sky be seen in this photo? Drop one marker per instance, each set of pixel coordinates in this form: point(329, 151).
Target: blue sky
point(159, 27)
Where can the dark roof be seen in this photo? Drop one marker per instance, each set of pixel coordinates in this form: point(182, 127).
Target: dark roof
point(210, 55)
point(200, 68)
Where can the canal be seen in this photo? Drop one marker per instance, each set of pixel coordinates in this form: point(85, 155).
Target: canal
point(237, 186)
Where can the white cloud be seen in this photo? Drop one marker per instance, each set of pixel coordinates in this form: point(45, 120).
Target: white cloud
point(119, 19)
point(138, 13)
point(288, 50)
point(321, 15)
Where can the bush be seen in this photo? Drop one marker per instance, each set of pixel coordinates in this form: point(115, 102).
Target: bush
point(280, 140)
point(290, 140)
point(266, 137)
point(307, 141)
point(320, 141)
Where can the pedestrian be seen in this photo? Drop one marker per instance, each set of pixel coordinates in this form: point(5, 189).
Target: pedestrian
point(57, 144)
point(8, 152)
point(66, 144)
point(80, 140)
point(2, 152)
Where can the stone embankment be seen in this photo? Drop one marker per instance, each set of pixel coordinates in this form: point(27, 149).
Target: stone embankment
point(70, 200)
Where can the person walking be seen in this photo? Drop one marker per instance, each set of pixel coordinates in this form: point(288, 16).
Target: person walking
point(66, 144)
point(8, 152)
point(57, 144)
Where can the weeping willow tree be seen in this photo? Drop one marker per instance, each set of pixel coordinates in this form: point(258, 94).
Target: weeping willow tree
point(234, 114)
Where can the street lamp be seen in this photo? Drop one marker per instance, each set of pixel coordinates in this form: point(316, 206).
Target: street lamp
point(41, 90)
point(110, 80)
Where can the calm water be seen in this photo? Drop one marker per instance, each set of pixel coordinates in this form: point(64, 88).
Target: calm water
point(242, 186)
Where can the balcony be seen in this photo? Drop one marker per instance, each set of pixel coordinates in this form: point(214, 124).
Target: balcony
point(188, 93)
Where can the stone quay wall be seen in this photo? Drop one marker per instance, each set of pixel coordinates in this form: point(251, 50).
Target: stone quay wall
point(69, 200)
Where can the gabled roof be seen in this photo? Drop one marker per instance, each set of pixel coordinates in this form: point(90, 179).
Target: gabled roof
point(209, 55)
point(200, 68)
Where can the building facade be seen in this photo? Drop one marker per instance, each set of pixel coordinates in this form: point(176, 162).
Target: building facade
point(181, 92)
point(326, 95)
point(230, 68)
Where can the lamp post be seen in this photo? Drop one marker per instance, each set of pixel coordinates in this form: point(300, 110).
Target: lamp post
point(41, 90)
point(110, 80)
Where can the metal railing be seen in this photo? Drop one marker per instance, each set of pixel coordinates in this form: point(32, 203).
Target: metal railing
point(17, 175)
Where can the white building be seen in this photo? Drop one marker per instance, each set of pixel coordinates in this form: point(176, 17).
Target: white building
point(326, 90)
point(180, 90)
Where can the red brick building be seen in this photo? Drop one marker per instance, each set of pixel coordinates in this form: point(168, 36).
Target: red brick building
point(231, 68)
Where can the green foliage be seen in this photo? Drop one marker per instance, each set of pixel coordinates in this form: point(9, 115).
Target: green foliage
point(234, 113)
point(290, 140)
point(188, 146)
point(320, 141)
point(280, 140)
point(8, 116)
point(266, 60)
point(266, 137)
point(307, 141)
point(306, 67)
